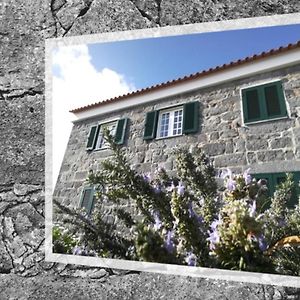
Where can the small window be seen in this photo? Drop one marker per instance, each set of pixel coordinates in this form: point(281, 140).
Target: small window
point(273, 179)
point(96, 139)
point(100, 141)
point(263, 102)
point(87, 199)
point(172, 122)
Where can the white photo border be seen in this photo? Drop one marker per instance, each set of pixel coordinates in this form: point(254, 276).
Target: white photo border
point(210, 273)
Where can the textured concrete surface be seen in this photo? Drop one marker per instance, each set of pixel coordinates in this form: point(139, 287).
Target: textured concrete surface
point(133, 286)
point(24, 25)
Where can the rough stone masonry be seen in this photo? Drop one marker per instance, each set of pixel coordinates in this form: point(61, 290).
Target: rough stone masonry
point(24, 25)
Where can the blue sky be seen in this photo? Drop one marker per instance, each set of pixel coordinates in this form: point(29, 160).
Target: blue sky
point(150, 61)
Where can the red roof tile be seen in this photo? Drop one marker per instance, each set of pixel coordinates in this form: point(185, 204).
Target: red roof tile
point(191, 76)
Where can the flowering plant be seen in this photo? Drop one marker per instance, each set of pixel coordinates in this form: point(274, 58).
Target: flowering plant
point(185, 219)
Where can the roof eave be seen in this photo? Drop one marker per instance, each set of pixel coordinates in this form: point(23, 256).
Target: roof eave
point(212, 77)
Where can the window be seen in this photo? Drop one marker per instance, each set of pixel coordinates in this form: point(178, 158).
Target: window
point(172, 122)
point(87, 199)
point(273, 179)
point(101, 143)
point(263, 102)
point(96, 140)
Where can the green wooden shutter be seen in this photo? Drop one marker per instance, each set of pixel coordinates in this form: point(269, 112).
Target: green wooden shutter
point(87, 199)
point(150, 125)
point(190, 117)
point(251, 105)
point(282, 101)
point(274, 100)
point(120, 131)
point(245, 106)
point(92, 137)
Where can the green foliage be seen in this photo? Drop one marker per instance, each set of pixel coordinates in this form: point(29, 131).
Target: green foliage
point(63, 242)
point(197, 172)
point(149, 246)
point(280, 221)
point(236, 238)
point(245, 232)
point(95, 234)
point(240, 235)
point(287, 261)
point(293, 220)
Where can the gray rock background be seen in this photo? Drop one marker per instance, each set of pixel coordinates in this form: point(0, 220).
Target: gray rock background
point(24, 25)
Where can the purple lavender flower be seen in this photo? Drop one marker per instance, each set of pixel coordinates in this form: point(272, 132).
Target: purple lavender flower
point(146, 177)
point(247, 176)
point(191, 259)
point(252, 209)
point(157, 221)
point(192, 213)
point(262, 243)
point(214, 236)
point(77, 250)
point(281, 222)
point(180, 189)
point(231, 185)
point(157, 189)
point(216, 222)
point(169, 243)
point(190, 210)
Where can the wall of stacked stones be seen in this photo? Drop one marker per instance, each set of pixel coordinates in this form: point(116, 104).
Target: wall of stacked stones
point(271, 146)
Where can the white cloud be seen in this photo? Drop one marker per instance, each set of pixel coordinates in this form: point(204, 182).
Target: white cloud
point(76, 83)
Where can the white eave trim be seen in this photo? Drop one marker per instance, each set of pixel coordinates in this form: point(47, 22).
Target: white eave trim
point(291, 57)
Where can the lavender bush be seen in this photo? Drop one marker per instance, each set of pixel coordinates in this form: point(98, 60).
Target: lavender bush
point(187, 219)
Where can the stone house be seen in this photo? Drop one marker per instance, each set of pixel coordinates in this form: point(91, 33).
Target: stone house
point(245, 114)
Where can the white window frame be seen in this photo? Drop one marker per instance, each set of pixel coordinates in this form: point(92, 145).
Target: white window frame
point(100, 142)
point(171, 123)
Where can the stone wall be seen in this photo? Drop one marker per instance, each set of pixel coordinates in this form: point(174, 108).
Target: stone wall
point(24, 27)
point(266, 147)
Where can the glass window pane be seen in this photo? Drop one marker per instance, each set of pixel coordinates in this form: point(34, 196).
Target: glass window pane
point(164, 125)
point(101, 143)
point(100, 140)
point(177, 125)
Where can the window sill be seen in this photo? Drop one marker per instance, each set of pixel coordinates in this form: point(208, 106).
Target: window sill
point(101, 149)
point(168, 137)
point(266, 121)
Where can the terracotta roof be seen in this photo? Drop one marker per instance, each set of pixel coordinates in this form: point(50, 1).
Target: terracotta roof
point(192, 76)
